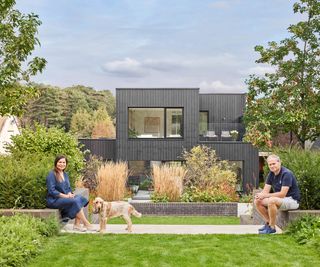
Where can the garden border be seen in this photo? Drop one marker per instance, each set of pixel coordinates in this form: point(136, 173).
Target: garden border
point(187, 208)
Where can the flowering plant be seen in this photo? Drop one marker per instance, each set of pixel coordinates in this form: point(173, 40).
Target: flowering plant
point(234, 134)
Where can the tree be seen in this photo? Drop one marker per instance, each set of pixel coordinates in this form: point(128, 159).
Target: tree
point(81, 124)
point(46, 109)
point(289, 99)
point(103, 126)
point(17, 41)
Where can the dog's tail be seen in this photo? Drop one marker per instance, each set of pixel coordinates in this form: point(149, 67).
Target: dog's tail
point(135, 213)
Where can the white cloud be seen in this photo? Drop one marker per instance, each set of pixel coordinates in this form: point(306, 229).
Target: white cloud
point(258, 70)
point(127, 67)
point(134, 68)
point(220, 87)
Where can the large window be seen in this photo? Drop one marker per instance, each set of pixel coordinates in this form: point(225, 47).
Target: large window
point(155, 123)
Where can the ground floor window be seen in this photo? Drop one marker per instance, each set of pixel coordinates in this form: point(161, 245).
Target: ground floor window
point(238, 168)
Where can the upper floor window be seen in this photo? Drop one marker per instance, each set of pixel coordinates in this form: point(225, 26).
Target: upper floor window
point(155, 122)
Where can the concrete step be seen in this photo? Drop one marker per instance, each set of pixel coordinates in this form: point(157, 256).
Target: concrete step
point(142, 195)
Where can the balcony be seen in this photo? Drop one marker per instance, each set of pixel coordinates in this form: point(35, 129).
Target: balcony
point(224, 132)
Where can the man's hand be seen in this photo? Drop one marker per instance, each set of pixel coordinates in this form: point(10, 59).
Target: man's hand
point(261, 195)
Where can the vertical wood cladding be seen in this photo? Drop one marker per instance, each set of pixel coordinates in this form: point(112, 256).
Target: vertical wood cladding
point(223, 109)
point(104, 148)
point(156, 149)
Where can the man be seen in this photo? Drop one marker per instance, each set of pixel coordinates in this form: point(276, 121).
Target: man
point(286, 194)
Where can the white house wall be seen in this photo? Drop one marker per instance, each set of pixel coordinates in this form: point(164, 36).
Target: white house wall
point(8, 130)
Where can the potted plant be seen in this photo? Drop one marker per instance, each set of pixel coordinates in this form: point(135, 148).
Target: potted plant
point(234, 135)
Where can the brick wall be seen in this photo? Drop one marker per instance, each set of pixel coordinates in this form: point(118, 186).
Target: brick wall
point(185, 209)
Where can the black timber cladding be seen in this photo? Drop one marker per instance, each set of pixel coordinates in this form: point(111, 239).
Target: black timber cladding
point(225, 111)
point(222, 108)
point(156, 149)
point(104, 148)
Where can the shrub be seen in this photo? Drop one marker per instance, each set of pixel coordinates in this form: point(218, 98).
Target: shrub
point(89, 179)
point(306, 230)
point(112, 179)
point(49, 142)
point(167, 181)
point(22, 236)
point(23, 181)
point(208, 179)
point(306, 167)
point(146, 184)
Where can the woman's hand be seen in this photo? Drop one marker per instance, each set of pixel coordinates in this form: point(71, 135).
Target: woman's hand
point(70, 195)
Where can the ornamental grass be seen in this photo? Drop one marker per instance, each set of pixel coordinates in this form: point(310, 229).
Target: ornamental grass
point(111, 179)
point(168, 181)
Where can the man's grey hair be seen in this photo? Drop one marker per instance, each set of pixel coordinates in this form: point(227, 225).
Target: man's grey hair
point(273, 156)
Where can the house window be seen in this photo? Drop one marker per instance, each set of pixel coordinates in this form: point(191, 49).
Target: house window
point(174, 122)
point(155, 122)
point(203, 122)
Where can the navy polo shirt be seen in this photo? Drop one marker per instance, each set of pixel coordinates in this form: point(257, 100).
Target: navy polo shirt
point(284, 178)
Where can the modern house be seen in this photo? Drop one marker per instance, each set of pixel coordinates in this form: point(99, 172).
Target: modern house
point(155, 125)
point(8, 128)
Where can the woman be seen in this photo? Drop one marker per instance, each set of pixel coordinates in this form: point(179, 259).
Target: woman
point(61, 197)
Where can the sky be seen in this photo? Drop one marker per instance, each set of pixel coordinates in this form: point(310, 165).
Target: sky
point(108, 44)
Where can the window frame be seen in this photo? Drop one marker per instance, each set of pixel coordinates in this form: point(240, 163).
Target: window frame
point(164, 126)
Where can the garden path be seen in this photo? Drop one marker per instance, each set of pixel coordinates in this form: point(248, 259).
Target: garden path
point(174, 229)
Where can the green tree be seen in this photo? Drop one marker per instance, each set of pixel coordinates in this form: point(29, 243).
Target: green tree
point(46, 109)
point(81, 124)
point(289, 98)
point(103, 125)
point(17, 41)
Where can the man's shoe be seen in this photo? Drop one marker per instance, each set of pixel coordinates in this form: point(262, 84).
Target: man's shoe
point(264, 227)
point(268, 230)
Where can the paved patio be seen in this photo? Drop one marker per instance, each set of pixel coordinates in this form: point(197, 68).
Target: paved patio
point(173, 229)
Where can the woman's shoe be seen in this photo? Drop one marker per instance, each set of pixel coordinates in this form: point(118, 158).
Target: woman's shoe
point(78, 228)
point(91, 228)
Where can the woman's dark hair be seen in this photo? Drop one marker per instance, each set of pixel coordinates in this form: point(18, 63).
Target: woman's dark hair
point(56, 174)
point(58, 158)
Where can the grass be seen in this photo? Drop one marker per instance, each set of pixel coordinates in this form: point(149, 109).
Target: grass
point(175, 250)
point(191, 220)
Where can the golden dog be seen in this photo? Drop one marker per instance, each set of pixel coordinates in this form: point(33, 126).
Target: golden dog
point(107, 210)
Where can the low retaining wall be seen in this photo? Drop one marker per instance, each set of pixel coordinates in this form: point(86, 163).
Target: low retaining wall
point(187, 209)
point(45, 213)
point(40, 213)
point(283, 217)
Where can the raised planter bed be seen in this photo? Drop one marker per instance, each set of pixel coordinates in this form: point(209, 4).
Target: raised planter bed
point(45, 213)
point(40, 213)
point(187, 209)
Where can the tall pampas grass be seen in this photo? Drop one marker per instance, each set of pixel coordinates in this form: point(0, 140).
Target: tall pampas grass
point(112, 178)
point(168, 181)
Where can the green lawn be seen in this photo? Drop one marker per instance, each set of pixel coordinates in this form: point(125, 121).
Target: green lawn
point(204, 220)
point(174, 250)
